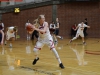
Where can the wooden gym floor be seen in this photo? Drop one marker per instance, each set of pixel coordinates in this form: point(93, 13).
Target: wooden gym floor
point(78, 59)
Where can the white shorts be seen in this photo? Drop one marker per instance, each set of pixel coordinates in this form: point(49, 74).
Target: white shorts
point(79, 34)
point(9, 35)
point(41, 42)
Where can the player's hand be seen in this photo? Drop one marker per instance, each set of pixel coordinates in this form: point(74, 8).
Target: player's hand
point(33, 27)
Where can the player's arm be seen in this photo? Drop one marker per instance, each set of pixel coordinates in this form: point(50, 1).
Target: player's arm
point(2, 37)
point(43, 30)
point(77, 27)
point(87, 26)
point(73, 28)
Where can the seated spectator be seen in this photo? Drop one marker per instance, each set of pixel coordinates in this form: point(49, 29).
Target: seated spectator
point(73, 30)
point(52, 27)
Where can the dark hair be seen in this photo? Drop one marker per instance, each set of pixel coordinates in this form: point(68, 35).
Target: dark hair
point(15, 28)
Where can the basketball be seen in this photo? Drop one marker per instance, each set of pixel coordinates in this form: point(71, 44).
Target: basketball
point(29, 27)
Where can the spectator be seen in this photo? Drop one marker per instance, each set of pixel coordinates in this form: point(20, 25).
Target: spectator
point(52, 29)
point(2, 24)
point(73, 30)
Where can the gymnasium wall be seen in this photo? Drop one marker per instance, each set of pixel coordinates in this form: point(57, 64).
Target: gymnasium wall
point(12, 19)
point(76, 12)
point(68, 14)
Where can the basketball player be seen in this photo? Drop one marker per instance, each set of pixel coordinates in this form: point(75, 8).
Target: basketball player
point(44, 38)
point(1, 35)
point(52, 29)
point(11, 34)
point(28, 35)
point(80, 28)
point(2, 24)
point(57, 25)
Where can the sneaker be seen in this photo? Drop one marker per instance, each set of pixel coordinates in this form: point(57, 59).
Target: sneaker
point(61, 66)
point(70, 41)
point(35, 60)
point(84, 43)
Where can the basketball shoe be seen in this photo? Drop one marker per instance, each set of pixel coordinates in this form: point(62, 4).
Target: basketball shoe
point(35, 60)
point(61, 66)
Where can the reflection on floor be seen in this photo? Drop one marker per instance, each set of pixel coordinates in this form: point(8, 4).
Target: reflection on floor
point(78, 59)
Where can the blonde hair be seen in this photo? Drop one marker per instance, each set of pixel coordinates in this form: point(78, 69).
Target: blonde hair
point(40, 16)
point(36, 23)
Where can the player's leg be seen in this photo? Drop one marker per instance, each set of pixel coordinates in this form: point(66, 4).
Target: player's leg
point(51, 45)
point(74, 38)
point(8, 36)
point(36, 49)
point(12, 39)
point(33, 34)
point(55, 34)
point(36, 34)
point(32, 37)
point(82, 35)
point(0, 38)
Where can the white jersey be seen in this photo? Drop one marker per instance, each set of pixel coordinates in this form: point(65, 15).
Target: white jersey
point(81, 27)
point(27, 24)
point(10, 33)
point(10, 29)
point(44, 38)
point(46, 34)
point(52, 26)
point(2, 24)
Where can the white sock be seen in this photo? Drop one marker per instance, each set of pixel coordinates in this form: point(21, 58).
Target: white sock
point(56, 55)
point(36, 53)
